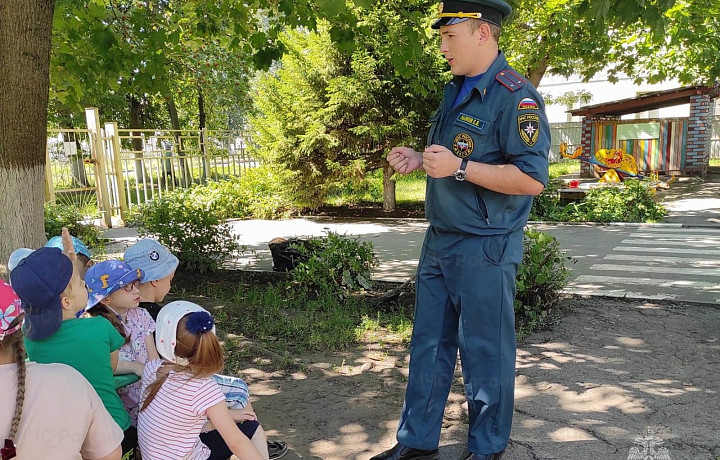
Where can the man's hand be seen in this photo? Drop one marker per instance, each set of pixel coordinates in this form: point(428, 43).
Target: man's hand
point(404, 160)
point(439, 162)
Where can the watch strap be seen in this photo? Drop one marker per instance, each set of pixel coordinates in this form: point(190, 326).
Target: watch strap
point(463, 164)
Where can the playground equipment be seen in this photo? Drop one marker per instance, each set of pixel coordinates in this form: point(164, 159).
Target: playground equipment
point(617, 165)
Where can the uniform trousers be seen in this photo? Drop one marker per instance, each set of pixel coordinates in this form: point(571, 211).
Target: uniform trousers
point(465, 289)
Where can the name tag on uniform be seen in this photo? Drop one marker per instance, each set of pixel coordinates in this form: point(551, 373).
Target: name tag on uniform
point(469, 120)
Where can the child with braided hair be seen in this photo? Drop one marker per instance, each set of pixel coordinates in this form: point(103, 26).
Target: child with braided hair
point(184, 414)
point(34, 421)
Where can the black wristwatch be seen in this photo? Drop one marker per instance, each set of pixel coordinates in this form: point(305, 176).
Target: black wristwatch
point(461, 174)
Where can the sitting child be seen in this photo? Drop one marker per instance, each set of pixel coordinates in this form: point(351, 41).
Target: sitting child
point(84, 256)
point(184, 414)
point(158, 266)
point(114, 294)
point(34, 421)
point(53, 294)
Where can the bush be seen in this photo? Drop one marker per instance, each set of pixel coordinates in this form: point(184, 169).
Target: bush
point(59, 216)
point(190, 229)
point(336, 265)
point(258, 193)
point(541, 277)
point(634, 202)
point(546, 205)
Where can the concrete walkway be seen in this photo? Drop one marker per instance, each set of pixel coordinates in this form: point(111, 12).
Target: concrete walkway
point(677, 260)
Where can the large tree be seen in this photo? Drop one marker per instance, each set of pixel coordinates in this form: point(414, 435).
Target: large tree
point(25, 30)
point(341, 98)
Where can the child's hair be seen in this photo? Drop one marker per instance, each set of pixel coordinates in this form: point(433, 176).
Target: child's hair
point(102, 310)
point(14, 342)
point(201, 349)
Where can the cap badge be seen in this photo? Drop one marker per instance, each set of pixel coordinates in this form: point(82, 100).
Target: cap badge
point(154, 255)
point(440, 7)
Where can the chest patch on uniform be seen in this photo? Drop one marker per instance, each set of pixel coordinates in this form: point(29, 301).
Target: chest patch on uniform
point(472, 121)
point(463, 145)
point(529, 128)
point(527, 104)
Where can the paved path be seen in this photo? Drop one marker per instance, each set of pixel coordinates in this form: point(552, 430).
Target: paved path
point(642, 262)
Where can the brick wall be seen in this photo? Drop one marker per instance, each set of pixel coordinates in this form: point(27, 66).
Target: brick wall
point(698, 135)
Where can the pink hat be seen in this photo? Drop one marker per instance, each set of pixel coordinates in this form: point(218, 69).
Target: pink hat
point(10, 309)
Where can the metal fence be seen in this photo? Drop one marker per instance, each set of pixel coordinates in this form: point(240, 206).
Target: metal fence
point(112, 170)
point(570, 133)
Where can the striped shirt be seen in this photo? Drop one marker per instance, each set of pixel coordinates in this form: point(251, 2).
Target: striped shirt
point(169, 428)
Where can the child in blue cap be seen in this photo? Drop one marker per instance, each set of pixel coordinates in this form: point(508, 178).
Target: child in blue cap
point(84, 256)
point(53, 294)
point(114, 294)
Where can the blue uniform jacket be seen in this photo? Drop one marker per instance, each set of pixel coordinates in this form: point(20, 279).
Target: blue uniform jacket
point(503, 121)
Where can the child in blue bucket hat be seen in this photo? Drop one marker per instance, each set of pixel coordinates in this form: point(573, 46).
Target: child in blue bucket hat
point(114, 294)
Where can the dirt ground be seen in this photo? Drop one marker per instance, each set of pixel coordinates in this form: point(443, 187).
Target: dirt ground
point(609, 375)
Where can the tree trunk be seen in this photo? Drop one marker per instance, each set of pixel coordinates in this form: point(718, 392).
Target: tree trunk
point(536, 72)
point(137, 142)
point(25, 32)
point(201, 126)
point(388, 188)
point(177, 146)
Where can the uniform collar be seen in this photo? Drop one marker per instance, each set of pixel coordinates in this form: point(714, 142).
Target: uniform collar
point(498, 64)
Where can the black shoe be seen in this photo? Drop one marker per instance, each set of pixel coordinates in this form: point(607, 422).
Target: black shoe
point(495, 456)
point(402, 452)
point(276, 449)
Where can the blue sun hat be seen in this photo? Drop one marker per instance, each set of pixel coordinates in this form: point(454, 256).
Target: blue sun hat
point(16, 256)
point(153, 258)
point(104, 278)
point(80, 248)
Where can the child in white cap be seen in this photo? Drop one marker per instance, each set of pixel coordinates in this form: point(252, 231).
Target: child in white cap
point(158, 265)
point(184, 414)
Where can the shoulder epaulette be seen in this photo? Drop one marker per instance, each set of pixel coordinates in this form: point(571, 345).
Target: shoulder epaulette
point(510, 79)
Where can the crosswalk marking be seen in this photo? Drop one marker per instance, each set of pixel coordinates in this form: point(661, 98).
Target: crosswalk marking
point(672, 243)
point(640, 268)
point(679, 230)
point(687, 237)
point(705, 262)
point(657, 282)
point(709, 252)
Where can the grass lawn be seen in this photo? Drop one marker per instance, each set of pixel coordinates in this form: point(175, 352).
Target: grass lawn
point(411, 188)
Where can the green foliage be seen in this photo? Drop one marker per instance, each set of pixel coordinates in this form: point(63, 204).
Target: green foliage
point(563, 167)
point(634, 202)
point(191, 230)
point(336, 266)
point(545, 205)
point(541, 277)
point(259, 194)
point(72, 217)
point(329, 114)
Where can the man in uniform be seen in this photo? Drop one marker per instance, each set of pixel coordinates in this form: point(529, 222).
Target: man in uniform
point(487, 156)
